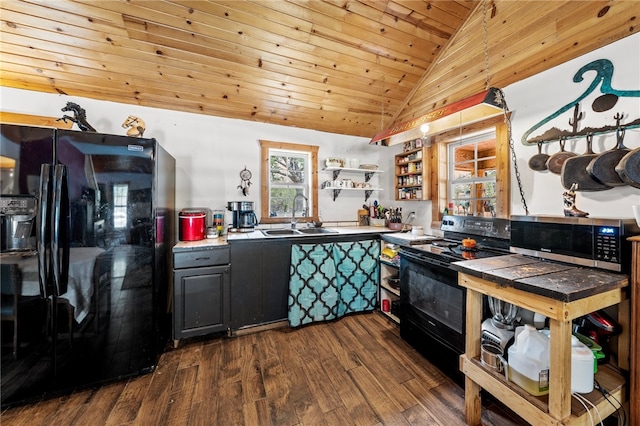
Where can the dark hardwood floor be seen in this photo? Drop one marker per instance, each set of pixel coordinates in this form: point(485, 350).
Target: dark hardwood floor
point(353, 371)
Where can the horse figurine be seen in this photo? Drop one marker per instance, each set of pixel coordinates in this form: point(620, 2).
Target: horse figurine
point(136, 126)
point(79, 117)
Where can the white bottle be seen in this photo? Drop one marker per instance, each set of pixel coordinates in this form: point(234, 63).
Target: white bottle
point(582, 367)
point(529, 361)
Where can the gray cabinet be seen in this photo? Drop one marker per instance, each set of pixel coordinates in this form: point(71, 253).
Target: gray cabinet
point(202, 285)
point(260, 282)
point(246, 295)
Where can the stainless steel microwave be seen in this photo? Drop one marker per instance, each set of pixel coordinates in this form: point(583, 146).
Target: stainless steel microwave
point(593, 242)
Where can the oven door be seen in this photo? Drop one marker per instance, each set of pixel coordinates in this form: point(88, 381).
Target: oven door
point(431, 299)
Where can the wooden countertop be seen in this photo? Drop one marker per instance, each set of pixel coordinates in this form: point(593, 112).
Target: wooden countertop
point(557, 281)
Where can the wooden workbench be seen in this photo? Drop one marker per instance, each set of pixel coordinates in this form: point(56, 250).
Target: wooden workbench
point(634, 395)
point(562, 293)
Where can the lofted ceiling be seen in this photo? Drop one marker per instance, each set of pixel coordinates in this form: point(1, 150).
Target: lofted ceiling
point(344, 66)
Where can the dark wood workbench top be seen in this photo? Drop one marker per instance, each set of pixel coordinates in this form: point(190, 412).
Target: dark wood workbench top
point(555, 280)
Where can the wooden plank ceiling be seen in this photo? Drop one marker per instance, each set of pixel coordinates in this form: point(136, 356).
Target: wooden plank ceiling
point(345, 66)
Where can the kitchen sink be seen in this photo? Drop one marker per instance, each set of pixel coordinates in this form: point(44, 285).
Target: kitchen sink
point(283, 232)
point(274, 232)
point(317, 231)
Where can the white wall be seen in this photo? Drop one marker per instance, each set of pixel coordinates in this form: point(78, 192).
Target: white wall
point(211, 151)
point(538, 97)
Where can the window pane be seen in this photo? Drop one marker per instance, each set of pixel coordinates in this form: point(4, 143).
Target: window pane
point(120, 197)
point(472, 173)
point(289, 173)
point(488, 207)
point(281, 199)
point(288, 169)
point(462, 174)
point(487, 189)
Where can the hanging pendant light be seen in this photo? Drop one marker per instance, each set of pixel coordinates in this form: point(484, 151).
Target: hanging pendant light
point(424, 129)
point(479, 107)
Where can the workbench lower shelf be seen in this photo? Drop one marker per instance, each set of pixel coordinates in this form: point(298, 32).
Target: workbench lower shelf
point(535, 409)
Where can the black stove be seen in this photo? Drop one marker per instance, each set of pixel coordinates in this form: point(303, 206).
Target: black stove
point(432, 304)
point(491, 236)
point(453, 251)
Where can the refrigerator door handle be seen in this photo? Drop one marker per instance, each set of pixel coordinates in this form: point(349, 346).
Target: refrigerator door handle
point(42, 227)
point(61, 228)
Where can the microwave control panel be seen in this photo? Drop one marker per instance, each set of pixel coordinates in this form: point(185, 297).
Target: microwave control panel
point(607, 243)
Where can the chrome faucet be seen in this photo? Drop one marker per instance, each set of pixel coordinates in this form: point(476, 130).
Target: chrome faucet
point(305, 211)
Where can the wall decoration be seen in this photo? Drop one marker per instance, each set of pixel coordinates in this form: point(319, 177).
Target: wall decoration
point(602, 103)
point(569, 199)
point(136, 126)
point(79, 117)
point(245, 182)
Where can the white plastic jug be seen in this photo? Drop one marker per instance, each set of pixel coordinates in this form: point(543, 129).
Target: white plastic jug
point(529, 361)
point(581, 367)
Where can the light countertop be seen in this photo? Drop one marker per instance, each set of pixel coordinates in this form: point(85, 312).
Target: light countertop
point(341, 230)
point(389, 235)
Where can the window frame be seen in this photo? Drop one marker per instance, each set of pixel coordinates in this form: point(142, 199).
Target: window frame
point(266, 148)
point(440, 169)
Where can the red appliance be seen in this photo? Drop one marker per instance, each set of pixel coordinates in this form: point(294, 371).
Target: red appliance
point(192, 224)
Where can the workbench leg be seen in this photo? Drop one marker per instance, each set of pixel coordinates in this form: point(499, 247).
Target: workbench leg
point(560, 371)
point(472, 402)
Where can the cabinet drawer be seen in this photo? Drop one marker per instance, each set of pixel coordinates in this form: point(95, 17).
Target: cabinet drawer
point(198, 258)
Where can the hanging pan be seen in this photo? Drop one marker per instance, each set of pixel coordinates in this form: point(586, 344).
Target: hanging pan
point(539, 161)
point(555, 161)
point(603, 167)
point(629, 168)
point(574, 171)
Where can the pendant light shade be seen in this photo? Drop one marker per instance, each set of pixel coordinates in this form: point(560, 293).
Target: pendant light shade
point(484, 105)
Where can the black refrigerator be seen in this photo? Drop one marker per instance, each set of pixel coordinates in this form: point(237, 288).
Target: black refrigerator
point(91, 272)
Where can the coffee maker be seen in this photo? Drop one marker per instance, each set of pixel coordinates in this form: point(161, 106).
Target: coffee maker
point(17, 221)
point(244, 219)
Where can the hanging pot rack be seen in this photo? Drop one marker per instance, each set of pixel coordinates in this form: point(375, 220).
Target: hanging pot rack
point(601, 72)
point(558, 134)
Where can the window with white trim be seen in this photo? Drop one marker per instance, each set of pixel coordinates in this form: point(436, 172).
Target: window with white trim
point(472, 175)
